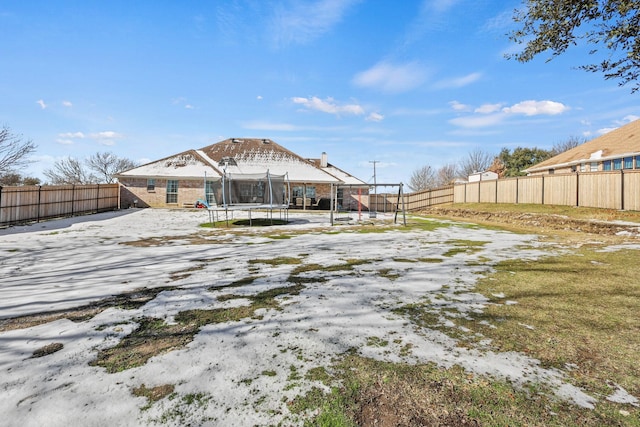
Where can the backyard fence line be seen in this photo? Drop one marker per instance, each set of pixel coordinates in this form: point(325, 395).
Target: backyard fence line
point(36, 202)
point(608, 190)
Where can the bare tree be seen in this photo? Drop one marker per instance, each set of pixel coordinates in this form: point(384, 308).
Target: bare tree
point(97, 169)
point(446, 175)
point(70, 171)
point(107, 165)
point(14, 151)
point(566, 145)
point(476, 161)
point(15, 179)
point(422, 179)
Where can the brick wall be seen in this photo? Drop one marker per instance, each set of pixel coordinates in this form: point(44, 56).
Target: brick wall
point(135, 193)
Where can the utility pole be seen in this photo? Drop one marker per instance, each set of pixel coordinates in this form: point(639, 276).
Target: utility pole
point(375, 188)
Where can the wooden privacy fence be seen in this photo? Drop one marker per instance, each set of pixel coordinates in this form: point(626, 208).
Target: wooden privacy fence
point(36, 202)
point(388, 202)
point(609, 190)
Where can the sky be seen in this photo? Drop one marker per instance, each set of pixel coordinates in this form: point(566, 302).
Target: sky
point(402, 84)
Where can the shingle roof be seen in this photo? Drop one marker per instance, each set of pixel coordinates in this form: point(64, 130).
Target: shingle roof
point(254, 155)
point(190, 163)
point(621, 142)
point(250, 156)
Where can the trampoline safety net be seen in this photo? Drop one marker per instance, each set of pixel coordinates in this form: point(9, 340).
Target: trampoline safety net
point(256, 190)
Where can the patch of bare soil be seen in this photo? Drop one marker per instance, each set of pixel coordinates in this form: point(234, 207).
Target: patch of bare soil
point(538, 222)
point(128, 300)
point(404, 404)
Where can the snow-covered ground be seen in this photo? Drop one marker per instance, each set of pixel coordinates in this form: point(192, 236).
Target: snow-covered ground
point(240, 370)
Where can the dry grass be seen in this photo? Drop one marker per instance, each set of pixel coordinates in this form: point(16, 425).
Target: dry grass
point(578, 310)
point(154, 337)
point(47, 349)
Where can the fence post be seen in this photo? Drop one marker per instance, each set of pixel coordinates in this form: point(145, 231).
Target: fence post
point(39, 201)
point(497, 190)
point(517, 190)
point(621, 189)
point(542, 197)
point(0, 204)
point(577, 190)
point(73, 197)
point(98, 199)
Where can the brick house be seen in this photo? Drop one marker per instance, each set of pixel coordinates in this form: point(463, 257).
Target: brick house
point(616, 150)
point(184, 178)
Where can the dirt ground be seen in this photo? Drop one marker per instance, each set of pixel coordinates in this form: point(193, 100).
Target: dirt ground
point(540, 223)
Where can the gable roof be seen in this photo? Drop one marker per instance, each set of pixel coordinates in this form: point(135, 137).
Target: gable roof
point(255, 155)
point(621, 142)
point(237, 156)
point(190, 163)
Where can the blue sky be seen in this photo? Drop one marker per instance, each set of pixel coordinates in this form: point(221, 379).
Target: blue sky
point(404, 83)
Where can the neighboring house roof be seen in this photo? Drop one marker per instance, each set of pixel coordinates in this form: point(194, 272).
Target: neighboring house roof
point(621, 142)
point(238, 156)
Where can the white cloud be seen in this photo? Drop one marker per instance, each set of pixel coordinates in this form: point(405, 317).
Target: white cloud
point(67, 104)
point(492, 114)
point(535, 108)
point(478, 121)
point(458, 82)
point(189, 107)
point(328, 106)
point(259, 97)
point(488, 108)
point(457, 106)
point(105, 135)
point(374, 117)
point(392, 78)
point(41, 103)
point(630, 118)
point(602, 131)
point(303, 21)
point(625, 120)
point(72, 135)
point(64, 141)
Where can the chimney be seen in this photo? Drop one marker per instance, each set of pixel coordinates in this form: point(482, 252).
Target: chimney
point(323, 160)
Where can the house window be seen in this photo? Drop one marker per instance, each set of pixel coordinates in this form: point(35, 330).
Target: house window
point(637, 162)
point(172, 191)
point(311, 192)
point(628, 162)
point(552, 171)
point(211, 196)
point(594, 166)
point(606, 165)
point(298, 191)
point(151, 184)
point(340, 197)
point(617, 164)
point(583, 167)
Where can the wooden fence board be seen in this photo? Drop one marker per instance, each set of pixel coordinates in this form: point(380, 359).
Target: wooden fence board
point(631, 192)
point(612, 190)
point(34, 203)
